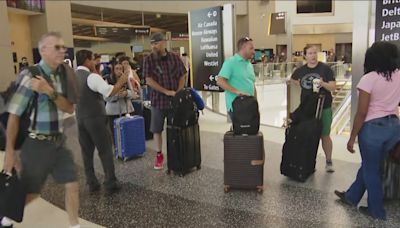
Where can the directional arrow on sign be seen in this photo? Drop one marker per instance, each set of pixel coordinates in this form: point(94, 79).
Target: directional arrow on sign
point(211, 77)
point(209, 14)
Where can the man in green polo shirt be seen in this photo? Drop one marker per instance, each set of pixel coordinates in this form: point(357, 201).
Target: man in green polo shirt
point(237, 74)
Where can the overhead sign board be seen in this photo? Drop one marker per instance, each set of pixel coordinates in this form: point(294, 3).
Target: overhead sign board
point(277, 23)
point(387, 21)
point(142, 31)
point(207, 42)
point(179, 36)
point(122, 32)
point(105, 31)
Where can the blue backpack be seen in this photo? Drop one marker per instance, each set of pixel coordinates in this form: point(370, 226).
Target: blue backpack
point(197, 99)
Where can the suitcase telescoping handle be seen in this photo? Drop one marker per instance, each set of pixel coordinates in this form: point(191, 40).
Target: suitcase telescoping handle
point(320, 106)
point(127, 114)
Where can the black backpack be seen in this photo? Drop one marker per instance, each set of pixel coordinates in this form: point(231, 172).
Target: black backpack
point(246, 116)
point(24, 121)
point(184, 109)
point(307, 108)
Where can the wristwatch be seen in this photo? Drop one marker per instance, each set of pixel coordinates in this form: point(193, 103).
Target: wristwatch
point(54, 95)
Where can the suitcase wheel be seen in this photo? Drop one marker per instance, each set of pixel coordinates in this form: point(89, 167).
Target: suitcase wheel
point(181, 174)
point(168, 172)
point(126, 159)
point(260, 189)
point(198, 167)
point(226, 189)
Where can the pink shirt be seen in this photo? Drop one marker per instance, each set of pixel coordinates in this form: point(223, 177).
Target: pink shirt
point(385, 95)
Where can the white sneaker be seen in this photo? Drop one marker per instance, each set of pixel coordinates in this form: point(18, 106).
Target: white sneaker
point(329, 167)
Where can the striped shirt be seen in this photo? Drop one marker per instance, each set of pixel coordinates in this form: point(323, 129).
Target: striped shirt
point(166, 71)
point(49, 118)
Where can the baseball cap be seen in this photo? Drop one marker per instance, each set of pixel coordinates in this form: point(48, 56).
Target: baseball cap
point(156, 37)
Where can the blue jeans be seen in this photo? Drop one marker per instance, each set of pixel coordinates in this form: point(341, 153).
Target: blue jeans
point(375, 139)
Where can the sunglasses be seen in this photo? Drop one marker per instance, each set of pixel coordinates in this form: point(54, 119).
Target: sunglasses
point(59, 47)
point(247, 38)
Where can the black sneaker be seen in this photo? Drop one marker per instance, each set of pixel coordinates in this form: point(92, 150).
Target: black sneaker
point(342, 197)
point(113, 188)
point(94, 188)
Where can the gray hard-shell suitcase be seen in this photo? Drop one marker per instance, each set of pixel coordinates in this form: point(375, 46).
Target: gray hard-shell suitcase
point(243, 161)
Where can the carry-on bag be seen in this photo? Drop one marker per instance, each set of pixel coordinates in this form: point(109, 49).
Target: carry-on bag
point(183, 149)
point(246, 116)
point(12, 196)
point(391, 179)
point(243, 161)
point(302, 138)
point(184, 109)
point(129, 136)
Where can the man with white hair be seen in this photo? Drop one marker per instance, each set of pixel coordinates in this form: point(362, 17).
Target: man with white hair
point(44, 151)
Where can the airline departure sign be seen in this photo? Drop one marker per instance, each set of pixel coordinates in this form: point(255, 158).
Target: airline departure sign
point(206, 45)
point(387, 23)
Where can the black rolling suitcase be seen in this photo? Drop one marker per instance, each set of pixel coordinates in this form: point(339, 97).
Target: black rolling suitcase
point(243, 161)
point(183, 134)
point(183, 149)
point(302, 137)
point(142, 108)
point(147, 121)
point(391, 179)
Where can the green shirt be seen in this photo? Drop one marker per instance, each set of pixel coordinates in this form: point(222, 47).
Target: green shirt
point(239, 74)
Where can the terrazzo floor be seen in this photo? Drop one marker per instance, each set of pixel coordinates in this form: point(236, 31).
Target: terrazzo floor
point(152, 198)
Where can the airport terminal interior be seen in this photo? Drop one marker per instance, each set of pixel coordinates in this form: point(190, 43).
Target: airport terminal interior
point(205, 33)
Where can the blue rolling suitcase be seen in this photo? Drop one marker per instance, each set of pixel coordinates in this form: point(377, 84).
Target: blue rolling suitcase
point(129, 137)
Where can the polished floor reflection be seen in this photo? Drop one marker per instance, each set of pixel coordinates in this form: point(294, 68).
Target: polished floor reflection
point(152, 198)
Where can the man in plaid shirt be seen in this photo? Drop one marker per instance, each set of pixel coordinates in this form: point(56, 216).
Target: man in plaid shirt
point(165, 73)
point(44, 151)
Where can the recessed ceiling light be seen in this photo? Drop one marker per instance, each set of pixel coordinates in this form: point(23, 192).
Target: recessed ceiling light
point(158, 15)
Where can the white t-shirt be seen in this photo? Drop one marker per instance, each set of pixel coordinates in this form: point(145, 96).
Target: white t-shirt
point(97, 84)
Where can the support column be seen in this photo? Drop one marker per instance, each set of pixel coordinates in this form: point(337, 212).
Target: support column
point(6, 64)
point(57, 17)
point(361, 23)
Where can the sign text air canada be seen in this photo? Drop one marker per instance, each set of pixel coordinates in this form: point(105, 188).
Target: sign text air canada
point(207, 24)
